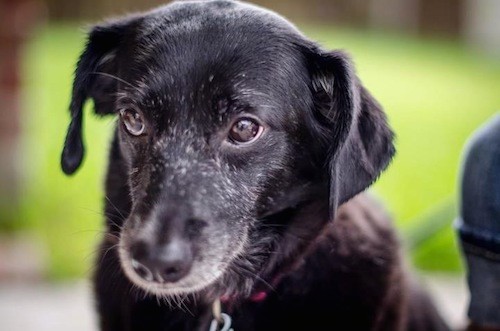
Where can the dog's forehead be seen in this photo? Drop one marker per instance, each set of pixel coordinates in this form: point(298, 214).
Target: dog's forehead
point(188, 16)
point(196, 40)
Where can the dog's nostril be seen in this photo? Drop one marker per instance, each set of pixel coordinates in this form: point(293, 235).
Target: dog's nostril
point(139, 254)
point(173, 272)
point(174, 261)
point(142, 271)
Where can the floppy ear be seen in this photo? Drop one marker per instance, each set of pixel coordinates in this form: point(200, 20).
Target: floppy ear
point(355, 139)
point(96, 78)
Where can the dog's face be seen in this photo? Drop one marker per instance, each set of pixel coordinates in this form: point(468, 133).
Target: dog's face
point(240, 137)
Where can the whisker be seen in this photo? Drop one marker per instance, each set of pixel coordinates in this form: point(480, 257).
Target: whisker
point(113, 205)
point(106, 214)
point(114, 77)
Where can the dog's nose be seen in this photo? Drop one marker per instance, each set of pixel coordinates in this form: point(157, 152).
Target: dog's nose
point(167, 263)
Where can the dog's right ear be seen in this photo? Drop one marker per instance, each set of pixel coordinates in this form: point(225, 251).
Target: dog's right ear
point(95, 77)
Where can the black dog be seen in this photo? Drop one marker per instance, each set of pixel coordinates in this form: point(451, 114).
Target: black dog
point(237, 140)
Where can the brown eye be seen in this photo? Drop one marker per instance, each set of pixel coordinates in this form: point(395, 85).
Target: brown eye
point(245, 131)
point(133, 121)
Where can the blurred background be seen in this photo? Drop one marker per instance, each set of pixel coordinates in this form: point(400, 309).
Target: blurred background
point(433, 65)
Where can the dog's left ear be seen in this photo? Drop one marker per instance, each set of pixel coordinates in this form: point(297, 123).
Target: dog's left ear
point(354, 137)
point(96, 78)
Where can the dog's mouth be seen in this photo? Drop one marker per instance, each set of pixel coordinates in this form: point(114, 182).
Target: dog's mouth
point(220, 270)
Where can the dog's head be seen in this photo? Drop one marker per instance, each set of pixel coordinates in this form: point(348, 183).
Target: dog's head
point(240, 137)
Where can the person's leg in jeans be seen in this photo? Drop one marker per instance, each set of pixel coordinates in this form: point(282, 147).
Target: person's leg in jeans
point(479, 224)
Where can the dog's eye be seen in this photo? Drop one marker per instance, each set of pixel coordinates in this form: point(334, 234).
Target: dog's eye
point(133, 121)
point(245, 131)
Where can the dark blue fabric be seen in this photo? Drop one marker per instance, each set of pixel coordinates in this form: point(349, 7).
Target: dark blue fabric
point(479, 223)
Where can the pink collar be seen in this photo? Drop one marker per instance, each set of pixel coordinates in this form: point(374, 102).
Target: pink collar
point(258, 296)
point(255, 297)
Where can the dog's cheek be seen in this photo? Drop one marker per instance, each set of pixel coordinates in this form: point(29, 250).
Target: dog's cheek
point(126, 147)
point(228, 231)
point(132, 147)
point(138, 162)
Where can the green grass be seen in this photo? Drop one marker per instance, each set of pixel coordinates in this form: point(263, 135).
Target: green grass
point(67, 211)
point(435, 93)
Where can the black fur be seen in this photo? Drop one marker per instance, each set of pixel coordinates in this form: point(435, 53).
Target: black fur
point(239, 219)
